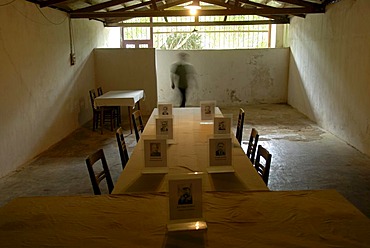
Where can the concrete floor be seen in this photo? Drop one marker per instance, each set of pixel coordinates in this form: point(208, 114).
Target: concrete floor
point(303, 157)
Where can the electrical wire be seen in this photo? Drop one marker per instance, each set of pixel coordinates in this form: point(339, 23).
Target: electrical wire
point(25, 16)
point(71, 36)
point(5, 4)
point(59, 23)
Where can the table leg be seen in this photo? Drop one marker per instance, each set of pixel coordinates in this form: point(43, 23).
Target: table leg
point(119, 121)
point(129, 116)
point(101, 119)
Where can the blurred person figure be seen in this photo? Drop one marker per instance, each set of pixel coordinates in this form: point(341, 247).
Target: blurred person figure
point(182, 72)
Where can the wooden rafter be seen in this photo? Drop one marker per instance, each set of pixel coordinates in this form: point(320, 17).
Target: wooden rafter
point(263, 6)
point(151, 13)
point(197, 23)
point(301, 3)
point(51, 2)
point(222, 4)
point(154, 4)
point(114, 11)
point(101, 6)
point(256, 4)
point(135, 6)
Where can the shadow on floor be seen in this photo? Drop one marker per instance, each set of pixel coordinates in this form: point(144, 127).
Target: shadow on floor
point(304, 157)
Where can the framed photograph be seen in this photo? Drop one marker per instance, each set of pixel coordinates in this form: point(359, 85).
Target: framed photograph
point(164, 109)
point(155, 151)
point(222, 125)
point(185, 197)
point(220, 151)
point(164, 127)
point(207, 109)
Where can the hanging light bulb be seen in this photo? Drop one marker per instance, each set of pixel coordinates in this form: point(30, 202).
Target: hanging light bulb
point(193, 7)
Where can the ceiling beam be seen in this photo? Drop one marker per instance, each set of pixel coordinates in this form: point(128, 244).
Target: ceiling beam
point(327, 2)
point(236, 3)
point(222, 4)
point(217, 23)
point(256, 4)
point(172, 4)
point(302, 3)
point(154, 4)
point(151, 13)
point(50, 2)
point(102, 6)
point(134, 7)
point(159, 7)
point(260, 5)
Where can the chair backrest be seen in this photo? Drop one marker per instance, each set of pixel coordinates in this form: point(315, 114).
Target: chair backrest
point(96, 178)
point(252, 145)
point(239, 127)
point(122, 148)
point(100, 91)
point(92, 97)
point(263, 165)
point(137, 121)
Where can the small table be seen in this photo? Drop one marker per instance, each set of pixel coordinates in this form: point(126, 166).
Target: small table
point(129, 98)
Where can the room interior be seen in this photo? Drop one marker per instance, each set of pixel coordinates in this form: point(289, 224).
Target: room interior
point(327, 76)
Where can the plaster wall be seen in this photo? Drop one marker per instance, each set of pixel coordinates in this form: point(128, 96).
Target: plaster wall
point(43, 97)
point(329, 70)
point(127, 69)
point(231, 77)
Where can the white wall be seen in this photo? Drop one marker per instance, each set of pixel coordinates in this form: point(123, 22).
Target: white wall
point(43, 97)
point(330, 70)
point(127, 69)
point(231, 77)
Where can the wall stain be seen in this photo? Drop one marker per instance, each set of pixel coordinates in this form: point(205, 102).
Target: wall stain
point(232, 95)
point(253, 60)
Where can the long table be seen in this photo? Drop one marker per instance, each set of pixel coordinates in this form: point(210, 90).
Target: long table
point(188, 153)
point(234, 219)
point(129, 98)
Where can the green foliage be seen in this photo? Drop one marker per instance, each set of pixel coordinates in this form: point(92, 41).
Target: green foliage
point(183, 41)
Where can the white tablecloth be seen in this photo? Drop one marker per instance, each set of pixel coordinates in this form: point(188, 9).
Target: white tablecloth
point(119, 98)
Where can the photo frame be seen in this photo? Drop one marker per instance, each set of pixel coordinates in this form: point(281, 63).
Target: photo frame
point(185, 202)
point(164, 127)
point(165, 109)
point(155, 151)
point(222, 125)
point(207, 109)
point(220, 154)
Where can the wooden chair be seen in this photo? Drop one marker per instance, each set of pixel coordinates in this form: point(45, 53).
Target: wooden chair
point(122, 148)
point(96, 178)
point(100, 91)
point(137, 121)
point(252, 145)
point(106, 113)
point(263, 168)
point(117, 109)
point(239, 127)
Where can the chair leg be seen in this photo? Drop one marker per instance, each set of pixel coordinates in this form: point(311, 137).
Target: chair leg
point(118, 116)
point(95, 120)
point(112, 120)
point(101, 119)
point(129, 115)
